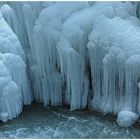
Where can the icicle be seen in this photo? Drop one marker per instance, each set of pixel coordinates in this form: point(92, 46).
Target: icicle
point(139, 99)
point(10, 99)
point(46, 34)
point(23, 37)
point(75, 76)
point(18, 72)
point(132, 66)
point(96, 53)
point(113, 66)
point(10, 44)
point(72, 66)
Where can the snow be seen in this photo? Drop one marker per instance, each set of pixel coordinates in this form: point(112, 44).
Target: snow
point(126, 118)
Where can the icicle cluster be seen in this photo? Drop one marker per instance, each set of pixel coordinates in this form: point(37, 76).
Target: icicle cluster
point(78, 53)
point(14, 86)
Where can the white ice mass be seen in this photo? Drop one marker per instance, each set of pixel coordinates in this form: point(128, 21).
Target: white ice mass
point(81, 54)
point(126, 118)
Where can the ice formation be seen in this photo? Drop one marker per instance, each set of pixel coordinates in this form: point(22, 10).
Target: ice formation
point(14, 86)
point(126, 118)
point(46, 34)
point(83, 54)
point(10, 100)
point(17, 69)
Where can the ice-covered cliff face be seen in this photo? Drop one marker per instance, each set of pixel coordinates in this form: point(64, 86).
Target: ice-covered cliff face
point(82, 54)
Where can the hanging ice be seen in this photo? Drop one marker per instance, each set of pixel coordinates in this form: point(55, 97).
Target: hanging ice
point(17, 68)
point(80, 54)
point(10, 99)
point(45, 57)
point(14, 90)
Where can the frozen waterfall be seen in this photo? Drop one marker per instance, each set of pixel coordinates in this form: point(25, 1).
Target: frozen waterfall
point(14, 86)
point(81, 54)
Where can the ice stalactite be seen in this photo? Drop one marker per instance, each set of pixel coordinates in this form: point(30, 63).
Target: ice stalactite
point(43, 65)
point(62, 47)
point(96, 54)
point(30, 18)
point(46, 34)
point(113, 80)
point(17, 8)
point(17, 69)
point(120, 93)
point(72, 66)
point(132, 66)
point(11, 44)
point(117, 66)
point(111, 57)
point(10, 99)
point(76, 80)
point(31, 11)
point(73, 57)
point(15, 89)
point(139, 99)
point(75, 77)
